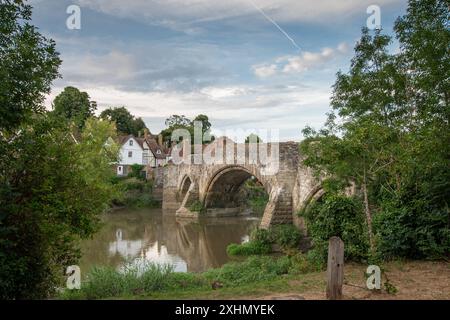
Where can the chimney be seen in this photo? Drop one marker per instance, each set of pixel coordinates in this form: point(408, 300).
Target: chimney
point(160, 140)
point(145, 133)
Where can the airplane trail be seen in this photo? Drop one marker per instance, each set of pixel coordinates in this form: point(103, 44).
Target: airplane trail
point(276, 25)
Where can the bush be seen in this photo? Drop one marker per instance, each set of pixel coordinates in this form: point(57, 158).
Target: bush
point(412, 230)
point(286, 236)
point(196, 206)
point(261, 241)
point(341, 216)
point(136, 171)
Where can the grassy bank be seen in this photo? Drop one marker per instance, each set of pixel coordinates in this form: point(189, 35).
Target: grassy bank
point(151, 279)
point(268, 278)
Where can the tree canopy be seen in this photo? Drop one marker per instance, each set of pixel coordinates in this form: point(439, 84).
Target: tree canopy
point(28, 65)
point(388, 133)
point(125, 122)
point(74, 105)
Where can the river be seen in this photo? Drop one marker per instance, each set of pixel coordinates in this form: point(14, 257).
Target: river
point(148, 234)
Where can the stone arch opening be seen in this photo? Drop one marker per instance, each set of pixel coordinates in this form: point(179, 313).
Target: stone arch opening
point(315, 195)
point(186, 183)
point(231, 191)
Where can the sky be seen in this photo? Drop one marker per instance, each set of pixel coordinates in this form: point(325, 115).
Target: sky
point(249, 65)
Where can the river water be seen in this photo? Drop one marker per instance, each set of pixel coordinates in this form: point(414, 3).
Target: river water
point(149, 235)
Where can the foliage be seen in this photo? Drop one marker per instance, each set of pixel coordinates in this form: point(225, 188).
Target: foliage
point(176, 122)
point(135, 193)
point(249, 249)
point(28, 65)
point(337, 215)
point(253, 138)
point(262, 240)
point(196, 206)
point(108, 282)
point(136, 171)
point(256, 196)
point(125, 122)
point(74, 105)
point(391, 140)
point(51, 195)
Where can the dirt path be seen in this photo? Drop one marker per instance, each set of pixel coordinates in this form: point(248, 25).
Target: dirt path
point(413, 281)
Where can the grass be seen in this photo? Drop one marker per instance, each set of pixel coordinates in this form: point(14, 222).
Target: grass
point(160, 280)
point(261, 241)
point(274, 277)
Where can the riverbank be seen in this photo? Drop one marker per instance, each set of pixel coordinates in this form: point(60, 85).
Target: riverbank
point(270, 279)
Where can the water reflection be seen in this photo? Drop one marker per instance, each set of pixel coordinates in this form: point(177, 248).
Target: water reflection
point(151, 236)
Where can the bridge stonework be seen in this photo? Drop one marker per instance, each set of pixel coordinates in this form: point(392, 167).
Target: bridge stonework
point(215, 185)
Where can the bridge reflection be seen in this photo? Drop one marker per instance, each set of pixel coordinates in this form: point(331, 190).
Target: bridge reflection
point(189, 245)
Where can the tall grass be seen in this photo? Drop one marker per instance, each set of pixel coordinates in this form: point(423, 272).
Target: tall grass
point(148, 279)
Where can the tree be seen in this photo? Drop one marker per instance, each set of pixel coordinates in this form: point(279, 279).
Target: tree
point(74, 105)
point(52, 187)
point(51, 197)
point(392, 140)
point(28, 65)
point(253, 138)
point(125, 122)
point(206, 125)
point(177, 121)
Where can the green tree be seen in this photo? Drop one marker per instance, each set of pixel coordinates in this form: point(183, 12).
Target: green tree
point(252, 138)
point(392, 137)
point(51, 197)
point(74, 105)
point(125, 122)
point(52, 186)
point(28, 65)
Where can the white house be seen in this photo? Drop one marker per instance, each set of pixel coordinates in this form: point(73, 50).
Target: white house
point(136, 150)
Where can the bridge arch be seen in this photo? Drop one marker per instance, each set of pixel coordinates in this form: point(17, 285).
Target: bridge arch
point(313, 196)
point(183, 186)
point(222, 188)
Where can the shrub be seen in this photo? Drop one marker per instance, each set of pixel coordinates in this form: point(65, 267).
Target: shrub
point(341, 216)
point(286, 236)
point(412, 230)
point(196, 206)
point(136, 171)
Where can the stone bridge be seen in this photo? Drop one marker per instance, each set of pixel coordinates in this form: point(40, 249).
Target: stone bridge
point(214, 184)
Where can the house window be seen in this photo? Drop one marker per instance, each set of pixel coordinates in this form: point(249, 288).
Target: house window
point(130, 154)
point(131, 142)
point(119, 170)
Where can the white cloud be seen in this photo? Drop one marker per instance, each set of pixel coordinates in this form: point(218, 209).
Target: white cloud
point(299, 63)
point(176, 13)
point(287, 108)
point(264, 71)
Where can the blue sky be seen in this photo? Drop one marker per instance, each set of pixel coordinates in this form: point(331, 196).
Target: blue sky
point(226, 59)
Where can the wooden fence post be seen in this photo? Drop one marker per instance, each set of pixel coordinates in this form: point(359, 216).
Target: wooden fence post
point(335, 268)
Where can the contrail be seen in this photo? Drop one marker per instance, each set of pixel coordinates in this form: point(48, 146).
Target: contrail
point(276, 25)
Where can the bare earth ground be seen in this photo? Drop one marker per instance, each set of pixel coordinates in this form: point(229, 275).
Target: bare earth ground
point(418, 280)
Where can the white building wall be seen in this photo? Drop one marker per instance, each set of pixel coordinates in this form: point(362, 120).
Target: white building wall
point(136, 150)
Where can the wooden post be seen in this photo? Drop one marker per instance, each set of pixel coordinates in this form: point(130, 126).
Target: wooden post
point(335, 268)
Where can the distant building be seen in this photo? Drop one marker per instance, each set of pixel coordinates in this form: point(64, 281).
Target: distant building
point(144, 151)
